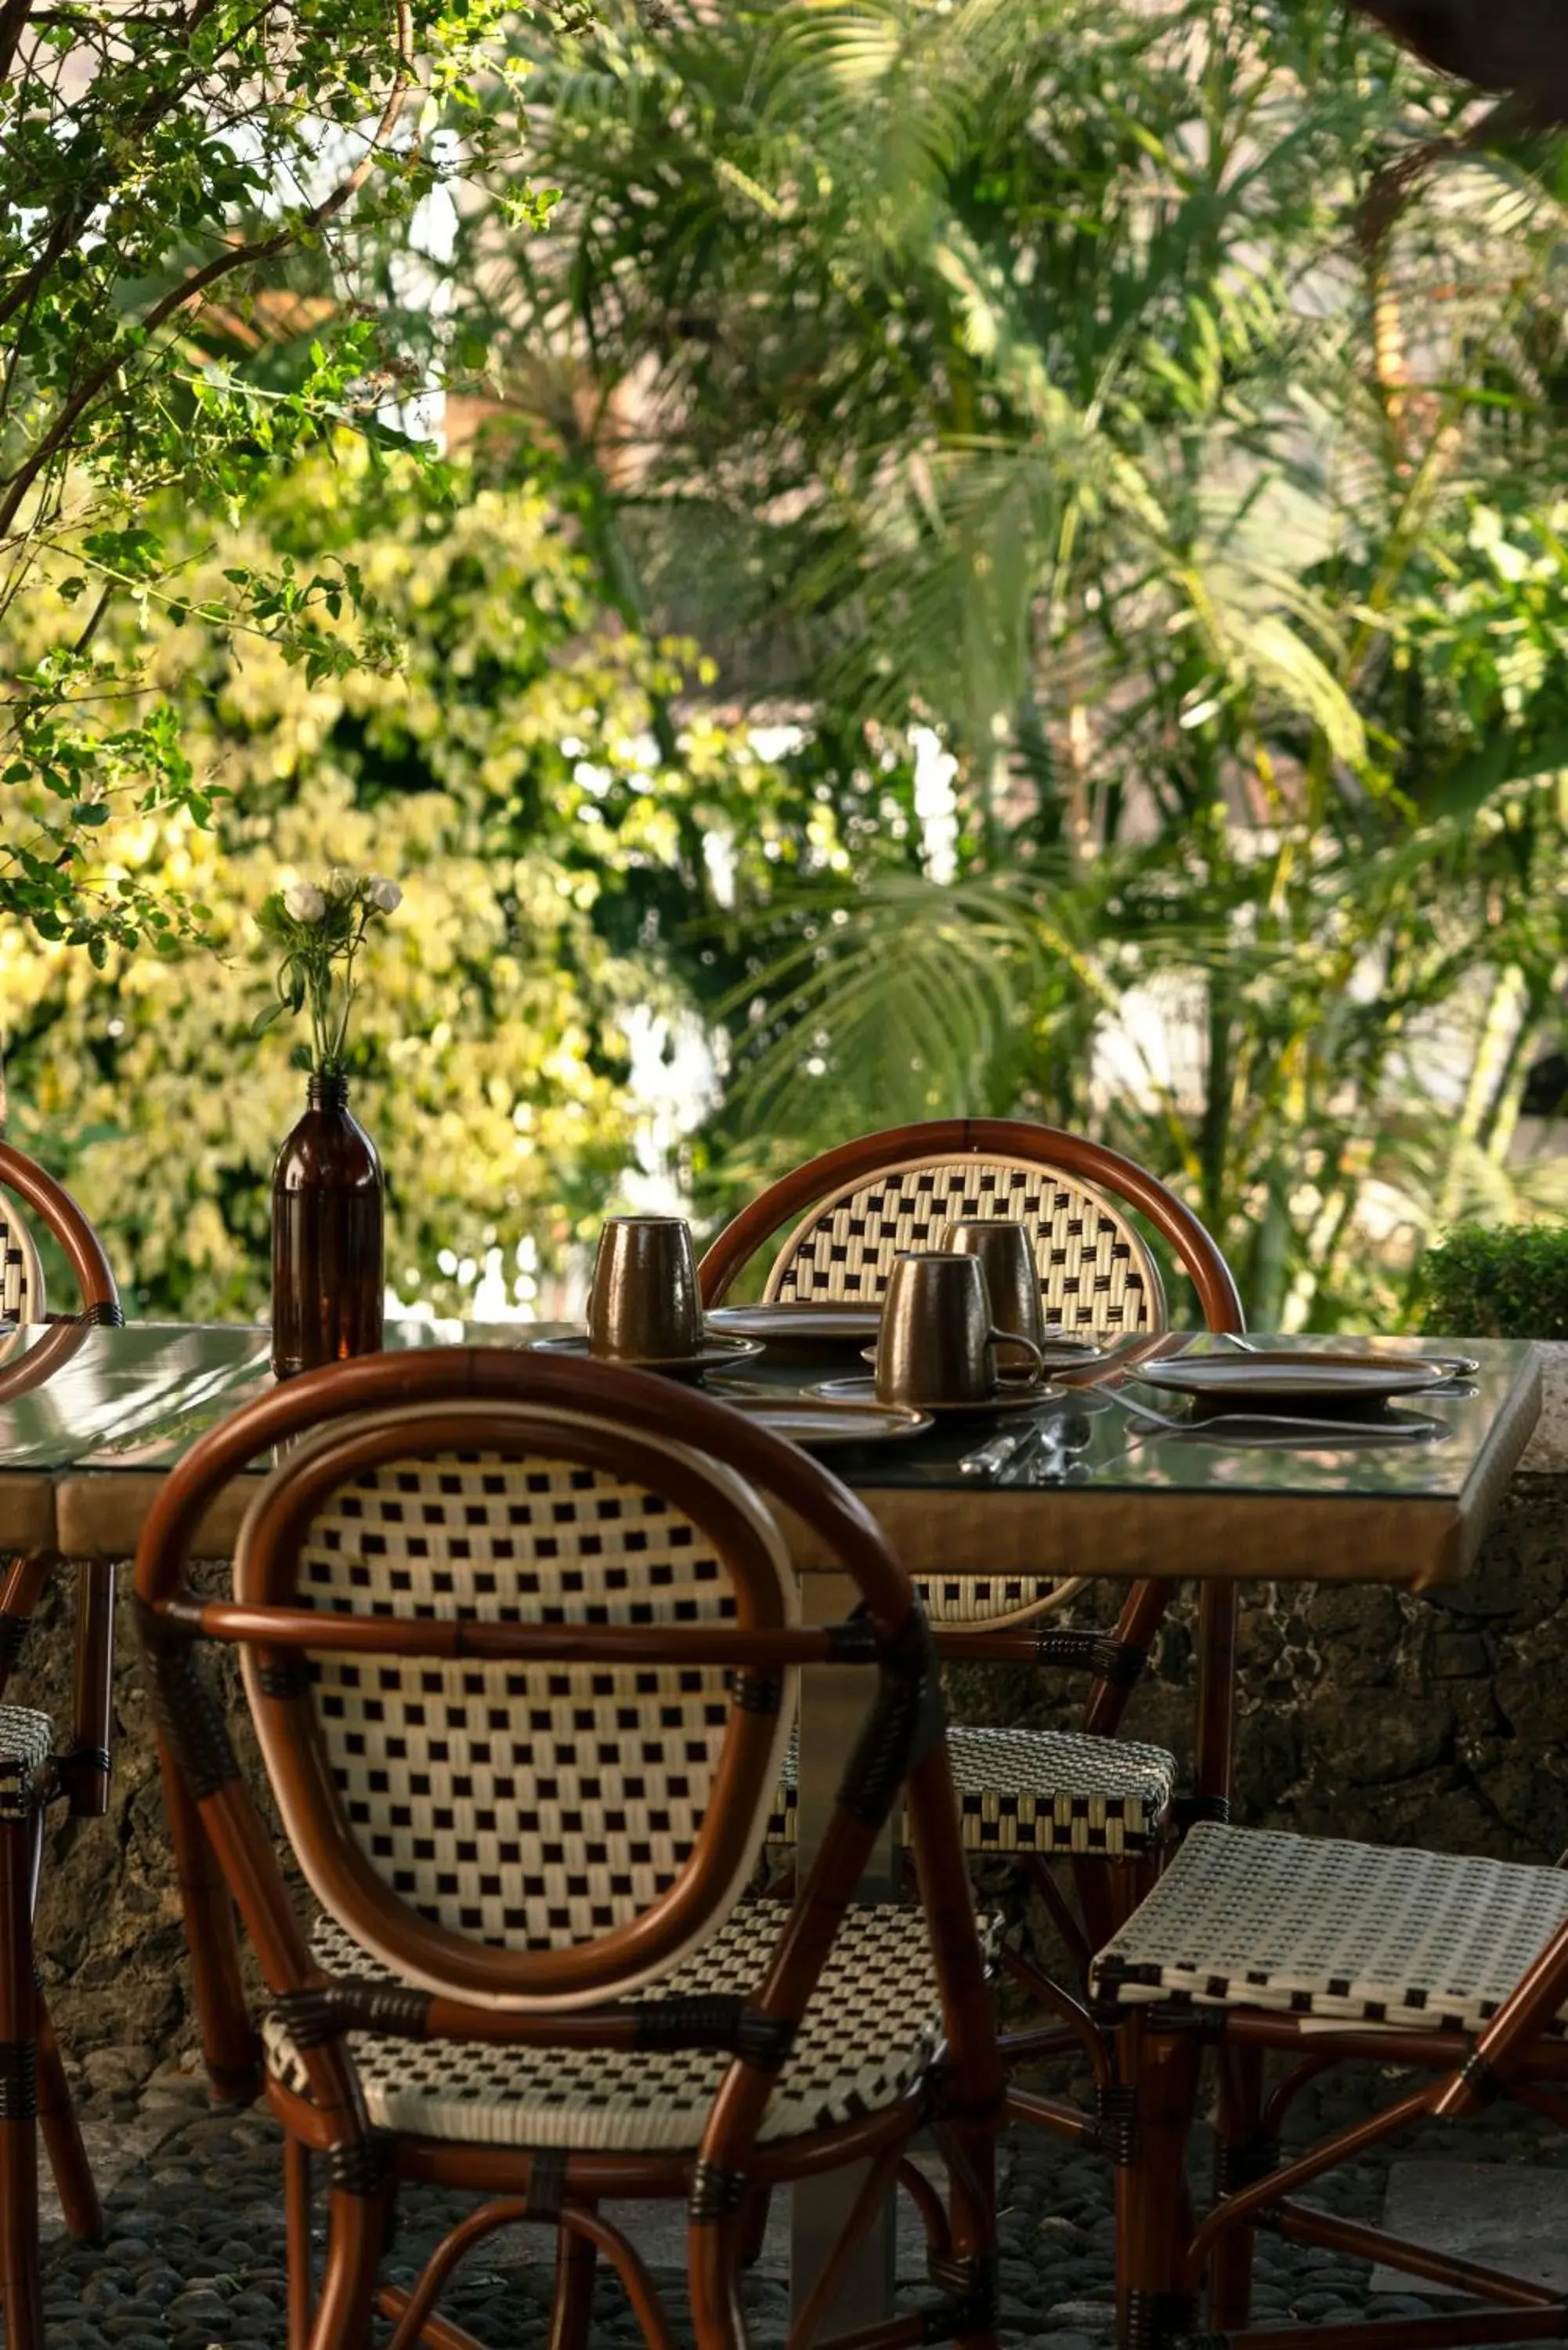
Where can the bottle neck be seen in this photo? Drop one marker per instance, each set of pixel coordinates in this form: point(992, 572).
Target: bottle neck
point(326, 1092)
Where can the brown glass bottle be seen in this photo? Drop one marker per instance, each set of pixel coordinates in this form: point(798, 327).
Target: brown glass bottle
point(328, 1237)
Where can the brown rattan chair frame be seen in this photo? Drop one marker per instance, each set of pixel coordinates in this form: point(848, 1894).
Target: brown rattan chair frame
point(367, 1410)
point(33, 2090)
point(84, 1768)
point(1112, 1663)
point(1167, 2265)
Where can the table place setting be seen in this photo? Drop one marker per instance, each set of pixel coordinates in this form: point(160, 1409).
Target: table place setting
point(959, 1335)
point(959, 1340)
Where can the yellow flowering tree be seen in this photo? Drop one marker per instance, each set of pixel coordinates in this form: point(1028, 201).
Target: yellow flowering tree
point(503, 766)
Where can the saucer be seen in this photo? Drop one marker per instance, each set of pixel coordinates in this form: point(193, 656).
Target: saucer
point(863, 1391)
point(1056, 1354)
point(809, 1329)
point(717, 1355)
point(818, 1426)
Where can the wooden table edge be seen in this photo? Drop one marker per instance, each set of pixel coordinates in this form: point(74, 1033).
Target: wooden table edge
point(100, 1512)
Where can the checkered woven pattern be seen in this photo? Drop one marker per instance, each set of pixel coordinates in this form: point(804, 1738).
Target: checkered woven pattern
point(984, 1598)
point(1040, 1791)
point(21, 1277)
point(525, 1807)
point(871, 2030)
point(1305, 1926)
point(26, 1742)
point(1095, 1273)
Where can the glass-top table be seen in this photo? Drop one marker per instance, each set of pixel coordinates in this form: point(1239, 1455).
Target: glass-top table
point(83, 1450)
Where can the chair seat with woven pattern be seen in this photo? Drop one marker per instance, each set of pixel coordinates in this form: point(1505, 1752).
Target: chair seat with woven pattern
point(870, 2031)
point(1352, 1932)
point(1038, 1791)
point(26, 1742)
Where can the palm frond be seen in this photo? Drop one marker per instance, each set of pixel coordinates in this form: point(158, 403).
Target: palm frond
point(902, 1001)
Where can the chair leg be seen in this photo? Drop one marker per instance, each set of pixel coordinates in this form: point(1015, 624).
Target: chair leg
point(229, 2043)
point(1154, 2209)
point(25, 1579)
point(296, 2226)
point(1219, 1632)
point(92, 1703)
point(1092, 1880)
point(970, 2150)
point(1241, 2157)
point(63, 2139)
point(21, 2290)
point(355, 2232)
point(754, 2226)
point(571, 2313)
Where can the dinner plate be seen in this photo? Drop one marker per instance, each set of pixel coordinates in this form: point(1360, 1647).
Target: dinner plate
point(1256, 1434)
point(862, 1391)
point(1291, 1378)
point(717, 1355)
point(810, 1329)
point(816, 1427)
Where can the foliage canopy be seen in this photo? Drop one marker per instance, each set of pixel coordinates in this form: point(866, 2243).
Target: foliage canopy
point(506, 774)
point(160, 167)
point(1157, 403)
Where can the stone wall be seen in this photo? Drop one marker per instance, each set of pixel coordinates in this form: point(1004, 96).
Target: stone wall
point(1439, 1720)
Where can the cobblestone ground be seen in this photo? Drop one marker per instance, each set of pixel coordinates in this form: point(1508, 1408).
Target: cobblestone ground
point(194, 2256)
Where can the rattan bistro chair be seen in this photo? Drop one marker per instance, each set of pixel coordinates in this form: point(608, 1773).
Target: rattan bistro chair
point(1318, 1951)
point(1033, 1795)
point(34, 1773)
point(519, 1637)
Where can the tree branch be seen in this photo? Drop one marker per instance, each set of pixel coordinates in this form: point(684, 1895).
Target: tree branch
point(223, 265)
point(69, 224)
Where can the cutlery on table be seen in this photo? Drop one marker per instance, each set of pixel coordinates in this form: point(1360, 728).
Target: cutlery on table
point(1007, 1450)
point(989, 1459)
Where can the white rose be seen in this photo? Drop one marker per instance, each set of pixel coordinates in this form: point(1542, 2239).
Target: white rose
point(304, 901)
point(340, 884)
point(385, 896)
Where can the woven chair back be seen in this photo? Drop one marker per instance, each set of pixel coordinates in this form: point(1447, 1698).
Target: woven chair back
point(863, 1203)
point(25, 1186)
point(528, 1834)
point(21, 1275)
point(1095, 1273)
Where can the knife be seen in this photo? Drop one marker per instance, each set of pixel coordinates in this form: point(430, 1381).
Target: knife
point(991, 1460)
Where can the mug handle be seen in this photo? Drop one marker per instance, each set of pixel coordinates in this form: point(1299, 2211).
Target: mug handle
point(994, 1338)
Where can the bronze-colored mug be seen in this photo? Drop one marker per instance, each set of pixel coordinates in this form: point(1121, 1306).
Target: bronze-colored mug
point(939, 1343)
point(645, 1305)
point(1006, 1255)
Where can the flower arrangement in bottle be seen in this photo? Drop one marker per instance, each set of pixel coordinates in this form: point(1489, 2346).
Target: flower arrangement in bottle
point(329, 1197)
point(319, 931)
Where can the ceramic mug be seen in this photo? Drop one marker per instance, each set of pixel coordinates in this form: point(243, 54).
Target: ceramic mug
point(939, 1343)
point(1006, 1255)
point(645, 1305)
